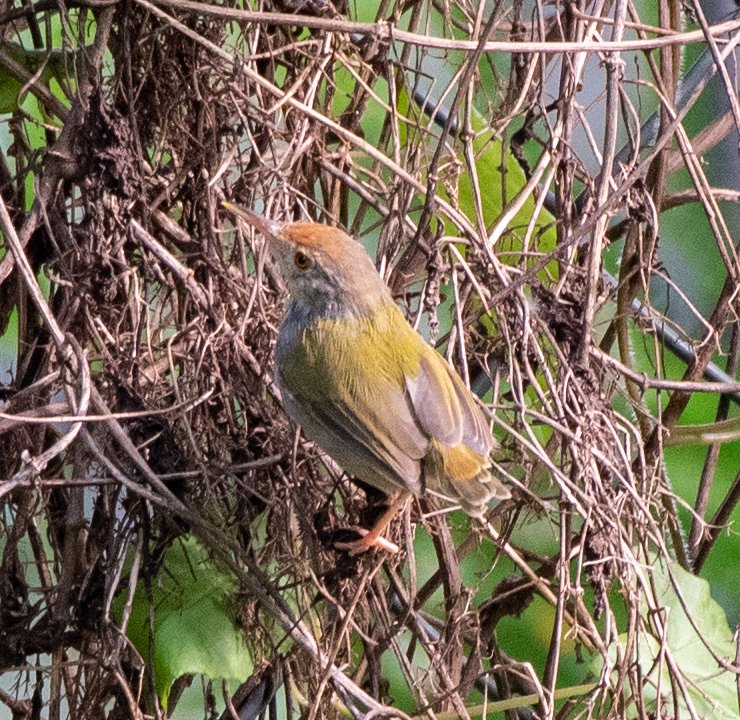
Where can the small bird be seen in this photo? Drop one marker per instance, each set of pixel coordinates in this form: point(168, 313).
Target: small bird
point(365, 386)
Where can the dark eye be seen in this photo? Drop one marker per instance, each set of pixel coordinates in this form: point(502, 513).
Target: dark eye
point(301, 261)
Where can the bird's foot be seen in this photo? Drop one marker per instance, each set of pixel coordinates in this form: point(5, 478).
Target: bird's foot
point(370, 539)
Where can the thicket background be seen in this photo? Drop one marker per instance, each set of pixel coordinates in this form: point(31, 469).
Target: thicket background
point(550, 190)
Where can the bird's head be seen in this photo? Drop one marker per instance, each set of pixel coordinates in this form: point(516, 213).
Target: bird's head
point(323, 268)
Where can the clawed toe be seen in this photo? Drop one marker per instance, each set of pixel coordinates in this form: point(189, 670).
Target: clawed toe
point(368, 541)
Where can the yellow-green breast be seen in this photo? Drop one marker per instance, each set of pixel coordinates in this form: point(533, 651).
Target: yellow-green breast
point(352, 356)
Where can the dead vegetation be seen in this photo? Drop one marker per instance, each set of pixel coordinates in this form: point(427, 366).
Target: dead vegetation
point(141, 409)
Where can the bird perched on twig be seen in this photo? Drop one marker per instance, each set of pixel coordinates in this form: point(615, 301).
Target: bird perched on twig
point(364, 385)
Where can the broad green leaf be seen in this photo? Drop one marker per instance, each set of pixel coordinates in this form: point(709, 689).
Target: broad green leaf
point(53, 74)
point(711, 689)
point(193, 631)
point(33, 127)
point(500, 179)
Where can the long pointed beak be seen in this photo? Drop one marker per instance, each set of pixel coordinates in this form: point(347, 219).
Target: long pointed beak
point(269, 228)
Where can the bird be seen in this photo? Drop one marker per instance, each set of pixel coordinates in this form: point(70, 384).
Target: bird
point(365, 386)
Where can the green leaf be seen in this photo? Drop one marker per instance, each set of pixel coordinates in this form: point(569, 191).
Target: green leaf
point(495, 163)
point(14, 57)
point(500, 180)
point(193, 631)
point(710, 688)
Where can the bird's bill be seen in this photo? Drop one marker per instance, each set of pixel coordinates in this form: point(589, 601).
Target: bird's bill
point(269, 228)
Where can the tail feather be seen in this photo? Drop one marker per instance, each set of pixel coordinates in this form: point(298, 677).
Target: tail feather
point(463, 476)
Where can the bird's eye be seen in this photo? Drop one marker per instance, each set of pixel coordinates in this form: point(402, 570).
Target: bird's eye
point(301, 261)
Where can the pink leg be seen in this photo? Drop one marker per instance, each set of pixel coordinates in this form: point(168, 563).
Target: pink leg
point(374, 537)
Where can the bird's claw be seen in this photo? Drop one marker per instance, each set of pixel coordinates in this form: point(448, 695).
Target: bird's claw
point(366, 542)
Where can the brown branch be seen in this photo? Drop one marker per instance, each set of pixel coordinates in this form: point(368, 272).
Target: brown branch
point(384, 32)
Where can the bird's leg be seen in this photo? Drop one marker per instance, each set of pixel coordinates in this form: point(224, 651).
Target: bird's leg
point(374, 537)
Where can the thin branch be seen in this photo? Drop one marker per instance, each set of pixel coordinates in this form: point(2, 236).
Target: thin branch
point(385, 32)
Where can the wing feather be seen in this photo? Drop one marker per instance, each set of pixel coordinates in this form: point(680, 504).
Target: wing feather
point(445, 408)
point(457, 464)
point(372, 436)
